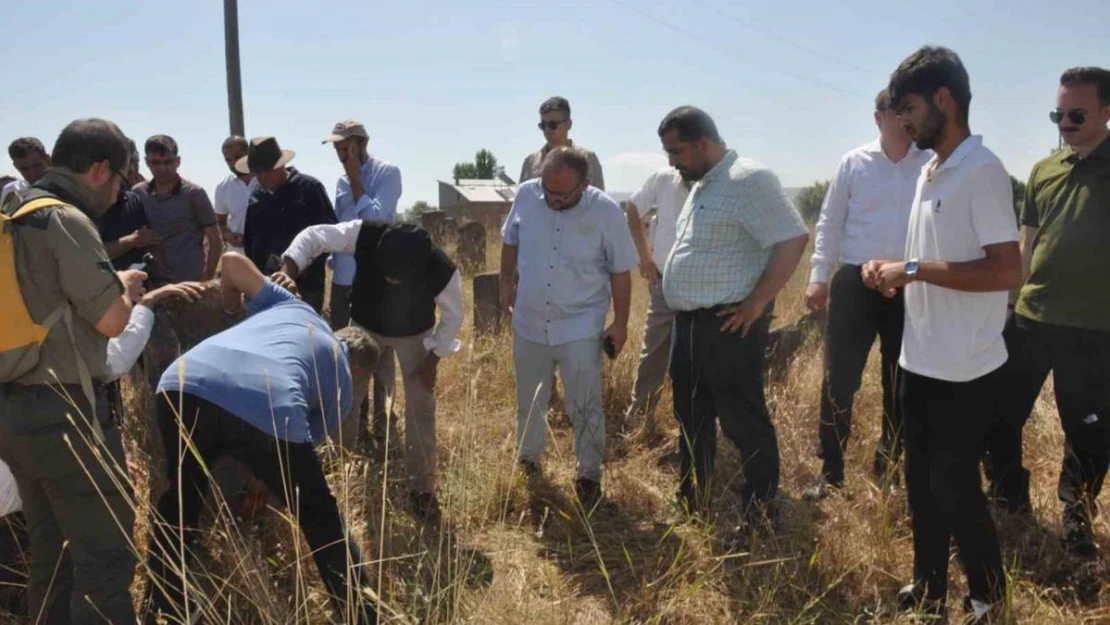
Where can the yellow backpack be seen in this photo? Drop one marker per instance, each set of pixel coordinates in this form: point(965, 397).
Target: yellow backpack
point(22, 338)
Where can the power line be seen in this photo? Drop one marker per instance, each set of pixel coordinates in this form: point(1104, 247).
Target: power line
point(727, 52)
point(789, 42)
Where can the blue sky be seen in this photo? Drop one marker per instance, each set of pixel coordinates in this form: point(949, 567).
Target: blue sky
point(790, 83)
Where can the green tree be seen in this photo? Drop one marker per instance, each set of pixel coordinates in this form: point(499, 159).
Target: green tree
point(809, 200)
point(484, 167)
point(418, 209)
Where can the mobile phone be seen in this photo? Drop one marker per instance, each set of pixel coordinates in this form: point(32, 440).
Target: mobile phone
point(609, 347)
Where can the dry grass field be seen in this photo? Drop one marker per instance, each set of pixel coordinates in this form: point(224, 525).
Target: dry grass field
point(505, 555)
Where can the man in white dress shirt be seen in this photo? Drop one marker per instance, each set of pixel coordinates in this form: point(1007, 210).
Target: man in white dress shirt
point(233, 194)
point(865, 215)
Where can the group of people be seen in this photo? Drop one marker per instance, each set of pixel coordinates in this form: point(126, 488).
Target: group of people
point(917, 243)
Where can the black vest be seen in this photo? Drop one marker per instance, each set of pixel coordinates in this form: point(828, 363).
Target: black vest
point(395, 310)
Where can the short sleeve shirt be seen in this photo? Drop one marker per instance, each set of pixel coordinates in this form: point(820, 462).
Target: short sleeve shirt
point(180, 220)
point(232, 196)
point(123, 218)
point(1068, 201)
point(566, 260)
point(732, 219)
point(532, 167)
point(665, 193)
point(961, 206)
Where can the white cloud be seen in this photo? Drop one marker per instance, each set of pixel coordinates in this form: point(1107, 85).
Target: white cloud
point(627, 171)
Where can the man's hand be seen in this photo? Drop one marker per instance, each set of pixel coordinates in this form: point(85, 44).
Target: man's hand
point(234, 240)
point(284, 281)
point(891, 277)
point(352, 166)
point(742, 316)
point(650, 271)
point(619, 335)
point(143, 237)
point(132, 280)
point(817, 296)
point(870, 273)
point(188, 291)
point(508, 297)
point(427, 371)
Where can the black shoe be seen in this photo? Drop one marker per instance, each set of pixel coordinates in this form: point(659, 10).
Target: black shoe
point(821, 489)
point(424, 506)
point(913, 598)
point(588, 493)
point(1079, 538)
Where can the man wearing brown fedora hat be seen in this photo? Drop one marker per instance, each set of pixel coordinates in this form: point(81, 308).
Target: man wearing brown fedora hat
point(284, 203)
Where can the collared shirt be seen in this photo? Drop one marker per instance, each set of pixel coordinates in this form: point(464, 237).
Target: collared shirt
point(275, 218)
point(60, 260)
point(281, 370)
point(961, 206)
point(180, 220)
point(733, 218)
point(666, 192)
point(232, 196)
point(867, 209)
point(381, 185)
point(566, 260)
point(1068, 201)
point(124, 217)
point(533, 165)
point(12, 187)
point(316, 241)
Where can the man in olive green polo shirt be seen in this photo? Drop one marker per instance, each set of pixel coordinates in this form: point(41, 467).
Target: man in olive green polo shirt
point(1062, 318)
point(79, 521)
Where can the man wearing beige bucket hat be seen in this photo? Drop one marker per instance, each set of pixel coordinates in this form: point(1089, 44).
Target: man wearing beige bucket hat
point(284, 203)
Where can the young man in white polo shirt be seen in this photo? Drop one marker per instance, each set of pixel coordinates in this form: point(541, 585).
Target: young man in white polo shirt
point(232, 195)
point(963, 259)
point(665, 191)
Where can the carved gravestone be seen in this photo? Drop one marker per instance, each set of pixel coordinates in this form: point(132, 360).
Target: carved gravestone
point(487, 304)
point(471, 248)
point(434, 222)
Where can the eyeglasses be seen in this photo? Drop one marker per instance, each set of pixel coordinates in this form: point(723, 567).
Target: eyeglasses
point(561, 198)
point(122, 178)
point(1075, 116)
point(550, 124)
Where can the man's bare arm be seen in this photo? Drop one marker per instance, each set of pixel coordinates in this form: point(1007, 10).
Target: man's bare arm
point(215, 246)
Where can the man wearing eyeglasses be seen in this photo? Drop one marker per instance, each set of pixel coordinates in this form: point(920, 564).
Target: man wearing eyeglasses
point(181, 215)
point(555, 123)
point(573, 248)
point(1062, 317)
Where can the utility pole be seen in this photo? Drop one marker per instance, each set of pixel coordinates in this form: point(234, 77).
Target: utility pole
point(231, 54)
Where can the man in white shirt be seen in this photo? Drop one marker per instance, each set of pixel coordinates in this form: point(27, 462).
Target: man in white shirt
point(233, 194)
point(401, 280)
point(963, 259)
point(865, 214)
point(664, 192)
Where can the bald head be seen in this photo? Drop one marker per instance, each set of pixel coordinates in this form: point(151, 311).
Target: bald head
point(567, 158)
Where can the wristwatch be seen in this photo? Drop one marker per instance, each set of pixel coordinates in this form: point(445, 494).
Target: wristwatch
point(912, 266)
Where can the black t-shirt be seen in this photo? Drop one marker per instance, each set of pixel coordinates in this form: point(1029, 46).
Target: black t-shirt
point(124, 217)
point(275, 219)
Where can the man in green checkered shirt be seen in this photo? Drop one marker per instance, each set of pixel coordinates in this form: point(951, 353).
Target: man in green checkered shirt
point(739, 241)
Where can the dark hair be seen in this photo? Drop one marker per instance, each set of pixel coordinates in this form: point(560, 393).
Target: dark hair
point(882, 101)
point(237, 142)
point(1096, 76)
point(25, 146)
point(87, 141)
point(691, 123)
point(362, 350)
point(928, 70)
point(161, 144)
point(556, 104)
point(573, 159)
point(133, 152)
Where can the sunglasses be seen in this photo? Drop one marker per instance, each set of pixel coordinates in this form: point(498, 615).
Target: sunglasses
point(550, 124)
point(1075, 116)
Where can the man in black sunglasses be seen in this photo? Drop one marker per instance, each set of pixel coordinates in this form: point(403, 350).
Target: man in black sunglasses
point(1062, 317)
point(555, 123)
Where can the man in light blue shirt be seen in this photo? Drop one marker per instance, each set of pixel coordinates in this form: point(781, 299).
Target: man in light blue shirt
point(573, 249)
point(368, 189)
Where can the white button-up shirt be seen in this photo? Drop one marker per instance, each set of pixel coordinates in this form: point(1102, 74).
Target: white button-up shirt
point(12, 187)
point(666, 192)
point(963, 206)
point(566, 259)
point(232, 197)
point(866, 209)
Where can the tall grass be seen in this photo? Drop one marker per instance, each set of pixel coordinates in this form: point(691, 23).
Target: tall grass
point(509, 551)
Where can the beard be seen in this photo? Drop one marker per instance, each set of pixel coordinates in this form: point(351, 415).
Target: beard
point(929, 134)
point(689, 176)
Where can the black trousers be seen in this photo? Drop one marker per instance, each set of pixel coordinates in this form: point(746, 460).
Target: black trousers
point(291, 471)
point(857, 315)
point(1080, 363)
point(720, 375)
point(944, 425)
